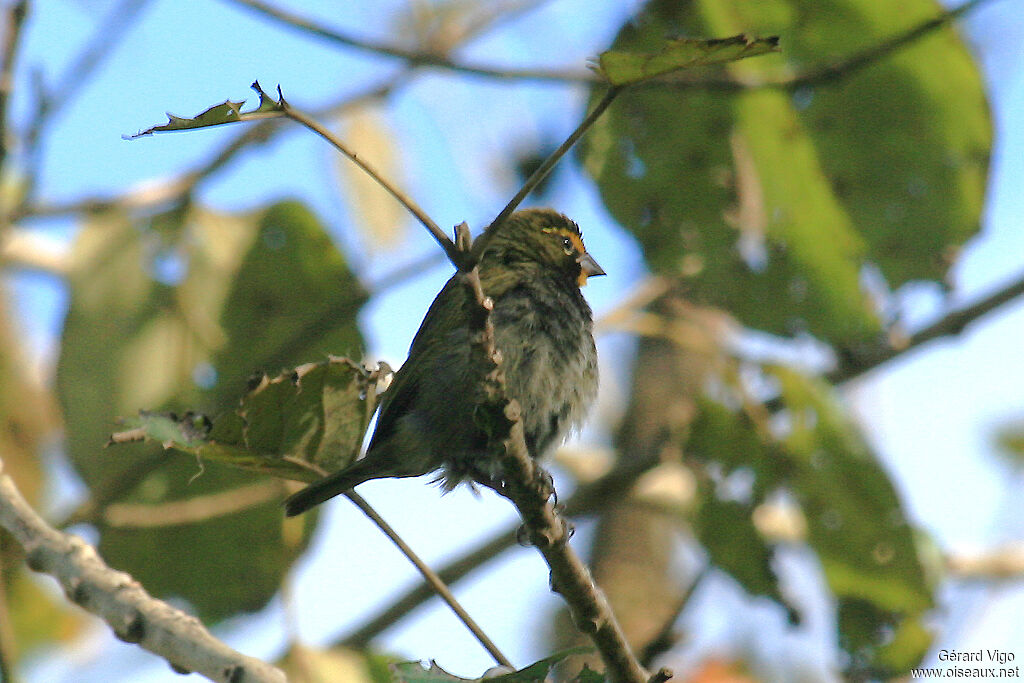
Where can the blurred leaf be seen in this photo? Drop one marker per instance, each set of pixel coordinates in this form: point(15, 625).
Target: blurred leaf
point(770, 204)
point(217, 115)
point(176, 315)
point(300, 425)
point(380, 219)
point(856, 525)
point(1010, 440)
point(855, 522)
point(38, 616)
point(414, 672)
point(625, 68)
point(733, 544)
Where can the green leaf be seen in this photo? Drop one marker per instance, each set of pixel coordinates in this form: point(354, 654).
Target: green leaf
point(303, 424)
point(415, 672)
point(626, 68)
point(855, 523)
point(219, 114)
point(176, 314)
point(857, 527)
point(771, 204)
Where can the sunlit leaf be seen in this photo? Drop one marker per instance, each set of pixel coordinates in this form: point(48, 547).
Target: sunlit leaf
point(625, 68)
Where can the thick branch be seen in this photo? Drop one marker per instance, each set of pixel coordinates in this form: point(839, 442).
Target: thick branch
point(134, 615)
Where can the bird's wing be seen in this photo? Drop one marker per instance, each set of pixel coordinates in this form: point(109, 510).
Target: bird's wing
point(445, 314)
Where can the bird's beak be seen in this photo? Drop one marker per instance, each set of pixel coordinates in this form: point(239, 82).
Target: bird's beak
point(588, 268)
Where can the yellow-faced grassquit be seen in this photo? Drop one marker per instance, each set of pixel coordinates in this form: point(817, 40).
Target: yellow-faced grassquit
point(532, 270)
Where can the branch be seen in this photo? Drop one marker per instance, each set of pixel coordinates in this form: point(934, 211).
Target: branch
point(413, 57)
point(14, 21)
point(856, 364)
point(481, 242)
point(526, 486)
point(432, 579)
point(134, 615)
point(585, 501)
point(734, 83)
point(403, 199)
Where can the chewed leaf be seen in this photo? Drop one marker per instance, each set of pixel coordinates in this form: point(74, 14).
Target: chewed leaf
point(415, 672)
point(625, 68)
point(226, 112)
point(299, 425)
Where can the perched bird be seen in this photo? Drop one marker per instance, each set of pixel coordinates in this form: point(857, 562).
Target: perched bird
point(532, 270)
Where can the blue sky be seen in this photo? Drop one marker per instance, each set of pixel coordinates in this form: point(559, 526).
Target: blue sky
point(930, 415)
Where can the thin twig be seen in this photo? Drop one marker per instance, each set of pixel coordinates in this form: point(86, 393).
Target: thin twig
point(951, 324)
point(51, 101)
point(13, 23)
point(811, 76)
point(134, 615)
point(413, 57)
point(400, 196)
point(481, 242)
point(431, 577)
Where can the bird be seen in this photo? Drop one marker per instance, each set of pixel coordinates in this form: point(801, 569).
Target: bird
point(532, 270)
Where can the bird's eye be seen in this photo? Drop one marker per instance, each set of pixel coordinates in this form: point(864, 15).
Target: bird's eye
point(567, 245)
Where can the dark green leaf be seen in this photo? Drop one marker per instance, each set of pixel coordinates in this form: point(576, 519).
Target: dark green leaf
point(300, 425)
point(625, 68)
point(175, 315)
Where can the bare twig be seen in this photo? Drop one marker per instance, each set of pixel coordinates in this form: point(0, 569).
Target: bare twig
point(13, 23)
point(951, 324)
point(435, 582)
point(413, 57)
point(134, 615)
point(52, 100)
point(811, 76)
point(481, 242)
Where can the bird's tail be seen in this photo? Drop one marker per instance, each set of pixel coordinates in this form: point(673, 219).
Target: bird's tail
point(323, 490)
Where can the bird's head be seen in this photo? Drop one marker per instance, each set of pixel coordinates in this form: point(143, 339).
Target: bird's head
point(545, 237)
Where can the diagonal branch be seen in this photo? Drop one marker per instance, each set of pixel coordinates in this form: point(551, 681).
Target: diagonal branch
point(400, 196)
point(431, 578)
point(951, 324)
point(133, 614)
point(481, 242)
